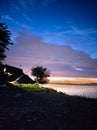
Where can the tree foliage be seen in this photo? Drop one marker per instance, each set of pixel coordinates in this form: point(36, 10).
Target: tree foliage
point(4, 40)
point(41, 74)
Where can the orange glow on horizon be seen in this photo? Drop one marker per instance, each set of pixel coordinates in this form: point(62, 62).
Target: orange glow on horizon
point(72, 80)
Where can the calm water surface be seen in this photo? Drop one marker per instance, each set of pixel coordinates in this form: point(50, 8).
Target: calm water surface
point(81, 90)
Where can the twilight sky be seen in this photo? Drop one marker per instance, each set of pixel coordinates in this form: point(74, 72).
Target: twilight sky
point(58, 34)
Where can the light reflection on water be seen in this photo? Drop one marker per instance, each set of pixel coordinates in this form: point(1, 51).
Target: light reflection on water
point(81, 90)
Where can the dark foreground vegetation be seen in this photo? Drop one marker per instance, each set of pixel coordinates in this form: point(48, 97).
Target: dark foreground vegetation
point(45, 110)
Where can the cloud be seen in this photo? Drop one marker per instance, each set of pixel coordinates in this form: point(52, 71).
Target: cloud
point(14, 7)
point(83, 32)
point(30, 50)
point(78, 38)
point(8, 17)
point(77, 68)
point(71, 34)
point(23, 4)
point(26, 17)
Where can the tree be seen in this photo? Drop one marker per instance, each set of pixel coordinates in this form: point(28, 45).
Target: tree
point(41, 74)
point(4, 40)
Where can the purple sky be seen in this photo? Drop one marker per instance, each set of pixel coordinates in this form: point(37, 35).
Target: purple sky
point(30, 50)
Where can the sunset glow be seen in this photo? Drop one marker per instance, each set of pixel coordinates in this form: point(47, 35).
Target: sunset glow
point(70, 80)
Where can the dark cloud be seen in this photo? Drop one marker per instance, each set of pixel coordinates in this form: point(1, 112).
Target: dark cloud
point(31, 50)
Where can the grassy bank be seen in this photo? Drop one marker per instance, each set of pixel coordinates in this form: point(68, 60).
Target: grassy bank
point(28, 107)
point(34, 87)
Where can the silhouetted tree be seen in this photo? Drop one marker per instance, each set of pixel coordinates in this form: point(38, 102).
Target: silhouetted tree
point(4, 40)
point(41, 74)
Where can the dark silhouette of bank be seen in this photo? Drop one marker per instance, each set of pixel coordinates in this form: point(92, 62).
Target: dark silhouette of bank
point(13, 74)
point(18, 75)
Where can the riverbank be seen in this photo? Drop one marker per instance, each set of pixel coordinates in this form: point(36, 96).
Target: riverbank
point(45, 110)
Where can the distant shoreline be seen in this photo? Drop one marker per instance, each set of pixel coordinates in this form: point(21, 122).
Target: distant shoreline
point(90, 84)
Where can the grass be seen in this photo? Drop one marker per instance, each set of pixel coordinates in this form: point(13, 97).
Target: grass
point(34, 87)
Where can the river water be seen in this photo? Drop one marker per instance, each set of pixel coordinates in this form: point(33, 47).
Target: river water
point(80, 90)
